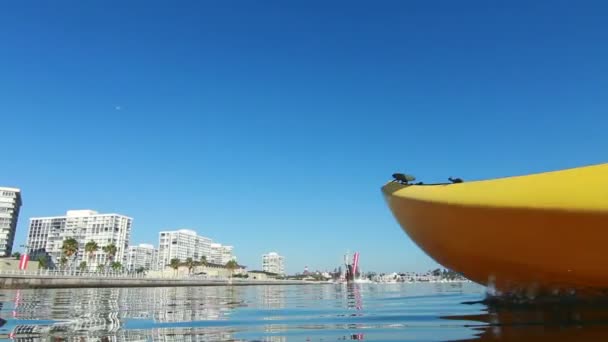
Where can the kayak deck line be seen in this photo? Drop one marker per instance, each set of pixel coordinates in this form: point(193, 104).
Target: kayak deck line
point(585, 190)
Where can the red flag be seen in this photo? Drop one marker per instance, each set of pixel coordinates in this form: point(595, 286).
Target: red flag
point(23, 261)
point(355, 263)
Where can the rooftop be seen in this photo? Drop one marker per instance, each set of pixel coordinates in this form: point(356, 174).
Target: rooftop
point(78, 213)
point(144, 245)
point(83, 212)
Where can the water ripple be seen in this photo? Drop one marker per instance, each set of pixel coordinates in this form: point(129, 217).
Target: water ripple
point(323, 312)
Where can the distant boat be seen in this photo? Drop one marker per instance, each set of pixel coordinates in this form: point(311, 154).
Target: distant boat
point(538, 233)
point(351, 271)
point(362, 281)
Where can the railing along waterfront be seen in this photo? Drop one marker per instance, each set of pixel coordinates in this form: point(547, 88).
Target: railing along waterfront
point(113, 275)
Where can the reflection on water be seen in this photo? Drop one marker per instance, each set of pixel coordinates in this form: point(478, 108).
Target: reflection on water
point(370, 312)
point(556, 320)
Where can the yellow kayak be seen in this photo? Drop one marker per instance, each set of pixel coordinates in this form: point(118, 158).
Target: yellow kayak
point(535, 233)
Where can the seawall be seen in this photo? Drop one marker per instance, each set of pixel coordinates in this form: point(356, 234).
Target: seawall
point(46, 282)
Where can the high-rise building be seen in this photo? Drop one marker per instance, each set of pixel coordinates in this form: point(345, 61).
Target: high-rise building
point(227, 255)
point(10, 203)
point(220, 254)
point(142, 256)
point(47, 234)
point(182, 244)
point(273, 263)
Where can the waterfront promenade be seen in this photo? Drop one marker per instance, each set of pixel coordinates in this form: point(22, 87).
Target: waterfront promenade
point(17, 279)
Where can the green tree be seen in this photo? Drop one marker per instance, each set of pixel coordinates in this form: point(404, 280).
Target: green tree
point(174, 264)
point(16, 255)
point(43, 262)
point(116, 266)
point(83, 266)
point(110, 251)
point(190, 263)
point(90, 248)
point(203, 261)
point(101, 268)
point(140, 270)
point(63, 261)
point(69, 248)
point(231, 266)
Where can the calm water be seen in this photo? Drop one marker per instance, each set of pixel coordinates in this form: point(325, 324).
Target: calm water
point(370, 312)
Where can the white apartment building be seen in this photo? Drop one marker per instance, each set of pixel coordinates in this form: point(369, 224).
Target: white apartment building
point(273, 263)
point(142, 256)
point(10, 203)
point(182, 244)
point(46, 236)
point(220, 254)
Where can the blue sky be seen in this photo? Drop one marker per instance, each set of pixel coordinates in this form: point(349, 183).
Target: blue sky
point(271, 125)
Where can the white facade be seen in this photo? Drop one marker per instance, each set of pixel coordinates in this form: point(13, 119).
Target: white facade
point(220, 254)
point(142, 256)
point(273, 263)
point(181, 244)
point(46, 236)
point(226, 252)
point(10, 203)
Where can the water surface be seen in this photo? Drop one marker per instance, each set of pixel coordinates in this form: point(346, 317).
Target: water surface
point(370, 312)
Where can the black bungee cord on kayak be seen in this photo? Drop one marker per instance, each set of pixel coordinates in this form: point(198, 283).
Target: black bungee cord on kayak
point(403, 178)
point(406, 179)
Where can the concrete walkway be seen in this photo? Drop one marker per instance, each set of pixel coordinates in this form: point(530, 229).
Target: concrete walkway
point(14, 281)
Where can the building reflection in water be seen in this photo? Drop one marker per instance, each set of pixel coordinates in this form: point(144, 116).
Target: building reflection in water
point(354, 302)
point(144, 314)
point(354, 296)
point(100, 314)
point(179, 304)
point(274, 339)
point(83, 312)
point(272, 297)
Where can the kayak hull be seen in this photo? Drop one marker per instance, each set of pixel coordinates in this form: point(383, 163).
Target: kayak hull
point(532, 248)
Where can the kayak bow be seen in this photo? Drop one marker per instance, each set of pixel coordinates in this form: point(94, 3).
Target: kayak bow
point(545, 231)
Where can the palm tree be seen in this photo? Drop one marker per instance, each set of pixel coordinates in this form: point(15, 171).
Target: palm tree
point(174, 264)
point(190, 263)
point(231, 266)
point(110, 251)
point(63, 261)
point(83, 266)
point(69, 248)
point(91, 247)
point(116, 266)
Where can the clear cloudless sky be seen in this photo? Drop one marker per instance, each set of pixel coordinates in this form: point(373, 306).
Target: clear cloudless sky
point(271, 125)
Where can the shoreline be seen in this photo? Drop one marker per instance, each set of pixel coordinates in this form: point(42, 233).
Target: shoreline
point(50, 282)
point(27, 280)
